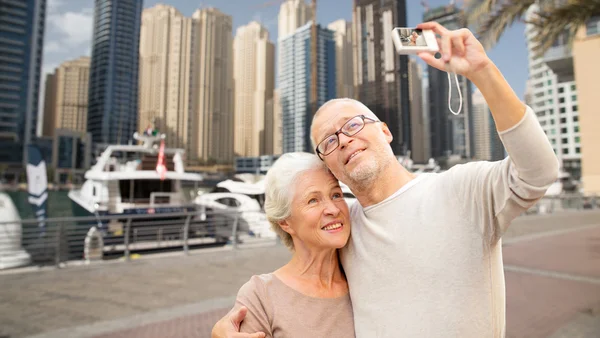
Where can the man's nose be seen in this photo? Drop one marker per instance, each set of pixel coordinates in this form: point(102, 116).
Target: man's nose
point(344, 140)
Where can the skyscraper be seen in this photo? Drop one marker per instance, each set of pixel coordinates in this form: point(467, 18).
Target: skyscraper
point(344, 71)
point(381, 75)
point(113, 90)
point(292, 15)
point(488, 146)
point(277, 123)
point(420, 130)
point(587, 72)
point(554, 99)
point(212, 107)
point(165, 61)
point(450, 134)
point(254, 59)
point(295, 84)
point(66, 100)
point(22, 38)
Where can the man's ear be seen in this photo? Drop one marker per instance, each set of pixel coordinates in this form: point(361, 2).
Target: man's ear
point(386, 131)
point(285, 225)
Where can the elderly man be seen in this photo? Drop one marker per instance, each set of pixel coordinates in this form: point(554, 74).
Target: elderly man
point(425, 255)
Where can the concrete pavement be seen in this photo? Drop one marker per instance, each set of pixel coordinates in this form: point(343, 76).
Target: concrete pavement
point(552, 267)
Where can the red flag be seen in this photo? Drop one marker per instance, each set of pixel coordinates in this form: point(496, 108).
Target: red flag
point(161, 169)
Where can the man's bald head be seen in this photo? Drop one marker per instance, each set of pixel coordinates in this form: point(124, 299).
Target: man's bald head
point(336, 104)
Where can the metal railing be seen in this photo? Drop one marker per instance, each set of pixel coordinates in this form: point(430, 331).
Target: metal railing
point(564, 202)
point(59, 241)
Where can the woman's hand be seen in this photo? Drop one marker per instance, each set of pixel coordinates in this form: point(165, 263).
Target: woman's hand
point(461, 52)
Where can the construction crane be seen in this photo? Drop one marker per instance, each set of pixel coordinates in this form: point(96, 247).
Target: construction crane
point(269, 4)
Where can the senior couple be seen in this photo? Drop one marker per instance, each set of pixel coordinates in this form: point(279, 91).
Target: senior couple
point(424, 256)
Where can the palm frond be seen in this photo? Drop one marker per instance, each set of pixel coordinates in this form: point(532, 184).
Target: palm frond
point(494, 25)
point(552, 23)
point(477, 10)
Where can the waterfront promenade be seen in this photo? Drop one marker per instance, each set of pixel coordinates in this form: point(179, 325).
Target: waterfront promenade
point(552, 267)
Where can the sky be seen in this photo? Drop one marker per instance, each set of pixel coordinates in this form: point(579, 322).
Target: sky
point(69, 28)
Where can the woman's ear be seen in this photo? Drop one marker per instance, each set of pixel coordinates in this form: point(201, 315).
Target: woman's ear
point(285, 225)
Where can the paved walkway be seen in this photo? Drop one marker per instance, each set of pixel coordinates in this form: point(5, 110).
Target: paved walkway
point(552, 266)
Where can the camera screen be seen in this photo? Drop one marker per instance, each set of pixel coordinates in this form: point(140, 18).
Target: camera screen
point(412, 37)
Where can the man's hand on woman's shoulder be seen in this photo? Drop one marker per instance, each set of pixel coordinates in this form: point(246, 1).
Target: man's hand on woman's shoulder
point(229, 326)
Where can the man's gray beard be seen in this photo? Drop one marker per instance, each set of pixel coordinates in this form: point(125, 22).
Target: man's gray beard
point(365, 174)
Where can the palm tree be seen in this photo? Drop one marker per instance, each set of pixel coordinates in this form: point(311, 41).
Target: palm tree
point(552, 20)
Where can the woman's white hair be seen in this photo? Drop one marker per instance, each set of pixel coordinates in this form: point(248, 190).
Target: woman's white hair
point(280, 185)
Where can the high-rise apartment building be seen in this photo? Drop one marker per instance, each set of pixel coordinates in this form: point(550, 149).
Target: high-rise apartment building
point(420, 129)
point(554, 99)
point(587, 73)
point(66, 97)
point(344, 70)
point(253, 75)
point(450, 134)
point(164, 85)
point(292, 15)
point(277, 123)
point(295, 80)
point(113, 84)
point(381, 75)
point(488, 146)
point(21, 43)
point(212, 106)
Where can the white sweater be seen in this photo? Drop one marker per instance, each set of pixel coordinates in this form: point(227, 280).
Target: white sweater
point(427, 261)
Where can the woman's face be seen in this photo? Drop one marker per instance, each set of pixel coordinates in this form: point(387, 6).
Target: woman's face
point(320, 217)
point(414, 36)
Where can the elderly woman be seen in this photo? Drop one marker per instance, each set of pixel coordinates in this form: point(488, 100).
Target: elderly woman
point(307, 297)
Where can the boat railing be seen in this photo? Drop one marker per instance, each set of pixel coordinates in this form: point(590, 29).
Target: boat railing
point(78, 240)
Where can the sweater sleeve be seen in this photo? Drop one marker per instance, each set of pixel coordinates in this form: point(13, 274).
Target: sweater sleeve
point(253, 296)
point(492, 194)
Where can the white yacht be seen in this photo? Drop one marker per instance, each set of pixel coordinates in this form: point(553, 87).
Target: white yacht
point(252, 218)
point(12, 254)
point(127, 179)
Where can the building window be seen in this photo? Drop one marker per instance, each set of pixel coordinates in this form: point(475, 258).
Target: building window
point(563, 130)
point(592, 27)
point(563, 110)
point(575, 108)
point(565, 151)
point(576, 129)
point(575, 118)
point(561, 100)
point(574, 98)
point(578, 150)
point(577, 139)
point(573, 87)
point(563, 120)
point(561, 90)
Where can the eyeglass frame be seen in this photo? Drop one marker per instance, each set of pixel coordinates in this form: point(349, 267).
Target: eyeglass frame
point(339, 131)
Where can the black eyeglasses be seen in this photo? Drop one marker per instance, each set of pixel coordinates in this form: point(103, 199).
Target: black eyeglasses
point(350, 128)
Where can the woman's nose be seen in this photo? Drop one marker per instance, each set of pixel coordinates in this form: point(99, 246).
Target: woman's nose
point(331, 208)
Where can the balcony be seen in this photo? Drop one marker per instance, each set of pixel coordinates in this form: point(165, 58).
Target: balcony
point(560, 60)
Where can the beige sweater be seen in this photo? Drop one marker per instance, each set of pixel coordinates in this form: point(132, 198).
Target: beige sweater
point(280, 311)
point(427, 261)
